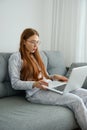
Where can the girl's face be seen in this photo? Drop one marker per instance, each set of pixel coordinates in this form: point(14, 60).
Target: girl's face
point(32, 43)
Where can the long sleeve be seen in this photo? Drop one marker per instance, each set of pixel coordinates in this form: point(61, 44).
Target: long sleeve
point(14, 68)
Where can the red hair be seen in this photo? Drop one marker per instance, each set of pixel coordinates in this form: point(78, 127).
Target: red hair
point(29, 70)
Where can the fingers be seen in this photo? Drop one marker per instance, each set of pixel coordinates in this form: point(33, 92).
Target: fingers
point(60, 78)
point(63, 78)
point(41, 84)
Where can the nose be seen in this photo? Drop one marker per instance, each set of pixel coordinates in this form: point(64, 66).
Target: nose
point(35, 44)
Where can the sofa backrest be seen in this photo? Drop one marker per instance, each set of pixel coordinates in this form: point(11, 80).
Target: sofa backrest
point(53, 61)
point(5, 85)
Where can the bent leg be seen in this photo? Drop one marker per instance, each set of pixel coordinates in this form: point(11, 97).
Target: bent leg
point(82, 93)
point(72, 101)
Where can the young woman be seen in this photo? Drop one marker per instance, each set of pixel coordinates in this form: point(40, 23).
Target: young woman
point(27, 72)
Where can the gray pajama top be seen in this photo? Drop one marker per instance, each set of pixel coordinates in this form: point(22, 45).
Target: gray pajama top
point(14, 67)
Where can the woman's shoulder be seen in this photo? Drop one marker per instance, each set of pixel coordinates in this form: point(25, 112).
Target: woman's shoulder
point(15, 55)
point(14, 61)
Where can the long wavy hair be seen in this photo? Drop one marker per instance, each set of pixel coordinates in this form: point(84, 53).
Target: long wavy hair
point(30, 70)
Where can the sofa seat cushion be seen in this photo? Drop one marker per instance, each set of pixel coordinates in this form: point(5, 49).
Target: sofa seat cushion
point(18, 114)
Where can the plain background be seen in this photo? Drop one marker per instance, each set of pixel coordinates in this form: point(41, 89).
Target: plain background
point(16, 15)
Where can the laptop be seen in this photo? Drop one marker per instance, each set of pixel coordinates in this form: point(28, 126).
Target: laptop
point(75, 81)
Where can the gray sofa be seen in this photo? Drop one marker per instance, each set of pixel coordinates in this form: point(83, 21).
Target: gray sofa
point(16, 113)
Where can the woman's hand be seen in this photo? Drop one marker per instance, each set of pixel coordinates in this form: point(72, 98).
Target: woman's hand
point(40, 84)
point(60, 78)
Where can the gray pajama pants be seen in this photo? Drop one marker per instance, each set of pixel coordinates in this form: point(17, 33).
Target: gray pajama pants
point(76, 101)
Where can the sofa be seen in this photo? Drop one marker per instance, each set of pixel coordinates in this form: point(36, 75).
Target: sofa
point(16, 113)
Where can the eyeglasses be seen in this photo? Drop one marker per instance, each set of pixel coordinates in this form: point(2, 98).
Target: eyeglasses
point(34, 42)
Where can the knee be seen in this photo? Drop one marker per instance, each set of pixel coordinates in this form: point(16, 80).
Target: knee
point(75, 101)
point(73, 98)
point(79, 101)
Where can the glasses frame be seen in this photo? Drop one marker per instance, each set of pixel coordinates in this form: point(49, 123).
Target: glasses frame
point(34, 42)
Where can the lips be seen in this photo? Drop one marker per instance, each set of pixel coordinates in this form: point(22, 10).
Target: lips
point(34, 50)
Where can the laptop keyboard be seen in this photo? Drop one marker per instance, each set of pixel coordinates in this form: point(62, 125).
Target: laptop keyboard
point(61, 87)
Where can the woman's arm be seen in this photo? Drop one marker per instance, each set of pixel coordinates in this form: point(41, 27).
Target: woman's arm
point(14, 68)
point(58, 77)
